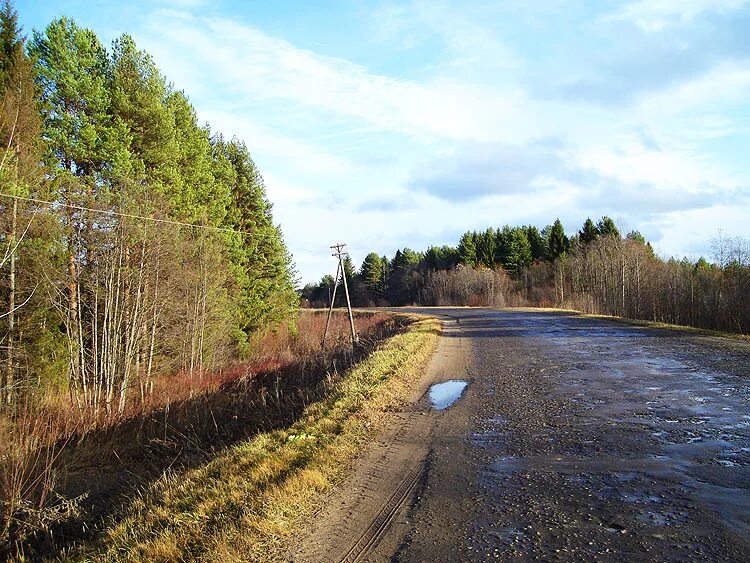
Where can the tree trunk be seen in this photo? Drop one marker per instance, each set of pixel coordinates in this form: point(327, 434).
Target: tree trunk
point(10, 375)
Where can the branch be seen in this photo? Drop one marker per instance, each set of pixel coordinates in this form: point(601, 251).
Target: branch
point(22, 304)
point(19, 240)
point(10, 138)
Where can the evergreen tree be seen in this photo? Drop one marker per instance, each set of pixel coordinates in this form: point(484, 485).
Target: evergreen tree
point(503, 242)
point(371, 272)
point(537, 242)
point(73, 73)
point(349, 270)
point(405, 258)
point(702, 265)
point(558, 243)
point(636, 236)
point(194, 195)
point(486, 248)
point(20, 121)
point(467, 250)
point(589, 233)
point(519, 255)
point(138, 92)
point(11, 42)
point(441, 258)
point(607, 228)
point(28, 321)
point(266, 270)
point(386, 271)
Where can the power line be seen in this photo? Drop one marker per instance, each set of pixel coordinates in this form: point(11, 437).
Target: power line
point(126, 215)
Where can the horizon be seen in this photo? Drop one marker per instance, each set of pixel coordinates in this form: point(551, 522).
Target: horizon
point(449, 119)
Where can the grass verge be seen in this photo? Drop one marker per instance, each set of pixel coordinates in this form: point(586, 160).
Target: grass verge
point(246, 504)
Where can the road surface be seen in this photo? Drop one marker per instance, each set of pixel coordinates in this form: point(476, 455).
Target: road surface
point(575, 439)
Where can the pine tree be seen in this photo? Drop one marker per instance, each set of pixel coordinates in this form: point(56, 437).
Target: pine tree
point(349, 270)
point(467, 250)
point(558, 244)
point(138, 92)
point(73, 73)
point(486, 248)
point(372, 272)
point(519, 256)
point(266, 269)
point(702, 265)
point(503, 241)
point(20, 175)
point(194, 195)
point(589, 233)
point(441, 258)
point(636, 236)
point(537, 242)
point(607, 228)
point(11, 41)
point(89, 156)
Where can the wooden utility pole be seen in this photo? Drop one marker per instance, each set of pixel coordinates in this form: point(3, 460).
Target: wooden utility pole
point(340, 253)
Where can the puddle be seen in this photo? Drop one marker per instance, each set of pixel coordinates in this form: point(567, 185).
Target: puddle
point(443, 395)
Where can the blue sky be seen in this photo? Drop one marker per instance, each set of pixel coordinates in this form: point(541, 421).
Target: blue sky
point(392, 124)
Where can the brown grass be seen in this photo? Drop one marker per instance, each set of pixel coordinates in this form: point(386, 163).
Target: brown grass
point(58, 463)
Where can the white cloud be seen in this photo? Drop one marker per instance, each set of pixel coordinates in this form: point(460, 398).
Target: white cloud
point(655, 15)
point(254, 65)
point(465, 41)
point(303, 156)
point(311, 121)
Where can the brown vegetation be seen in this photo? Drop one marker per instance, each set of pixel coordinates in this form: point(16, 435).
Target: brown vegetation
point(468, 286)
point(248, 502)
point(63, 464)
point(622, 277)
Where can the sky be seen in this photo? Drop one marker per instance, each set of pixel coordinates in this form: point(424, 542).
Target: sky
point(404, 124)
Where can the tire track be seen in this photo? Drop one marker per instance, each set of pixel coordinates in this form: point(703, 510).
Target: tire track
point(383, 519)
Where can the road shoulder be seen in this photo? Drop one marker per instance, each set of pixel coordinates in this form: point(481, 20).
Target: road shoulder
point(368, 514)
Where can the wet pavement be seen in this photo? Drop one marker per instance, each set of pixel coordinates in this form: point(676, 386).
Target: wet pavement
point(584, 439)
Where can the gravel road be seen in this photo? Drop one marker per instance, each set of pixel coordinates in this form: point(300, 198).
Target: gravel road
point(575, 439)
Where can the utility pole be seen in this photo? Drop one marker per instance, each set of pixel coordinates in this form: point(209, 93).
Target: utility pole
point(340, 253)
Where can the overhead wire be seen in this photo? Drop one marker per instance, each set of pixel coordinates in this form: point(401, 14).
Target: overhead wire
point(125, 215)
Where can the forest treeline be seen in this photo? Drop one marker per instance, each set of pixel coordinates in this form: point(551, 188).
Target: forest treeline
point(596, 270)
point(135, 241)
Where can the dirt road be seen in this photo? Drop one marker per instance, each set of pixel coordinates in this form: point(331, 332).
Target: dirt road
point(575, 439)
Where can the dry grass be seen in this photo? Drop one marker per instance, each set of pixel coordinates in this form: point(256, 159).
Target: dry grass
point(46, 437)
point(246, 504)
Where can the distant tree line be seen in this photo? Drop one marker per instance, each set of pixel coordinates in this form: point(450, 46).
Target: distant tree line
point(105, 281)
point(596, 270)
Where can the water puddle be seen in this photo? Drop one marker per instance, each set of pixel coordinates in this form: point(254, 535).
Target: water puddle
point(443, 395)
